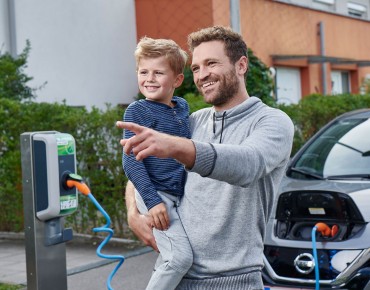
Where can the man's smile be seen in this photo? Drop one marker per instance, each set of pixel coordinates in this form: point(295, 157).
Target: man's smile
point(206, 85)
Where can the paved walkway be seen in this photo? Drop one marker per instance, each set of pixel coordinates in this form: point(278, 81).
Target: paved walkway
point(85, 269)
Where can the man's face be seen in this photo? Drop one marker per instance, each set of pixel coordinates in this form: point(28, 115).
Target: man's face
point(213, 74)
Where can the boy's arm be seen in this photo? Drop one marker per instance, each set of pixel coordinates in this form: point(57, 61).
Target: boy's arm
point(140, 224)
point(147, 142)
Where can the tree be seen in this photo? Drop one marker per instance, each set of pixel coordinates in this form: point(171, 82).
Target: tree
point(13, 80)
point(259, 81)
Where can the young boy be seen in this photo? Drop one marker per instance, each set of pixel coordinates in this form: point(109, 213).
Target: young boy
point(160, 183)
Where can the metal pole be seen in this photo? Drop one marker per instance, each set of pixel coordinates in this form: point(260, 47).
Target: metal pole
point(235, 15)
point(46, 265)
point(12, 29)
point(322, 52)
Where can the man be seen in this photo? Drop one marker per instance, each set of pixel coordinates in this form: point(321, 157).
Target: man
point(235, 161)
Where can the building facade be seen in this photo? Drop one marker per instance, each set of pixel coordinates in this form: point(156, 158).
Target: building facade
point(311, 46)
point(82, 50)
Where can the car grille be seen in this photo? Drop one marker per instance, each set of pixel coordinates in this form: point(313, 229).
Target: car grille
point(281, 261)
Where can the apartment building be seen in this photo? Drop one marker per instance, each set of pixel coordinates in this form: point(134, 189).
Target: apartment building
point(83, 49)
point(311, 46)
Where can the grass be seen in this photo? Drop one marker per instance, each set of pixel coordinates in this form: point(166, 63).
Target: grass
point(10, 287)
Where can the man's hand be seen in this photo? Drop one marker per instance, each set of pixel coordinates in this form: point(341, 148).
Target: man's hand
point(161, 221)
point(141, 225)
point(148, 142)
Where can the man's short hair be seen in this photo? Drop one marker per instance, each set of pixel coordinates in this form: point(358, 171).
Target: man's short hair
point(235, 47)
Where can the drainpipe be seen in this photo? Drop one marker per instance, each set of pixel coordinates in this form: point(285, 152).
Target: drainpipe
point(322, 53)
point(235, 15)
point(12, 29)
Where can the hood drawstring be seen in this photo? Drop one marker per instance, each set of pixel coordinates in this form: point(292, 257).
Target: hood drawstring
point(214, 123)
point(222, 124)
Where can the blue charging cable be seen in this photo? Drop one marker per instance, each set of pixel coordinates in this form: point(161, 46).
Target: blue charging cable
point(76, 181)
point(314, 250)
point(110, 232)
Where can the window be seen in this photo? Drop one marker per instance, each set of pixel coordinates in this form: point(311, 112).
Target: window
point(331, 2)
point(340, 82)
point(356, 10)
point(340, 150)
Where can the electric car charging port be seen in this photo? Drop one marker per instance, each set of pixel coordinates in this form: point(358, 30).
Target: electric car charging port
point(298, 212)
point(302, 231)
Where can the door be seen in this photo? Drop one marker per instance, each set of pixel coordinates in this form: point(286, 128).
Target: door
point(288, 85)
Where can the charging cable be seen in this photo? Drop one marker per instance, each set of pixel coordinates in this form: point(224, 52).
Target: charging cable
point(325, 231)
point(75, 180)
point(314, 251)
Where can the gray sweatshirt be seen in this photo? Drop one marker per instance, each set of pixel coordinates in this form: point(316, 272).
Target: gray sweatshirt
point(230, 190)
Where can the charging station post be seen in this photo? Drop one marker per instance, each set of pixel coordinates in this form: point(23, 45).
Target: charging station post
point(47, 157)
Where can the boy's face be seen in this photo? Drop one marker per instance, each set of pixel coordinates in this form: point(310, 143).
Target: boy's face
point(156, 80)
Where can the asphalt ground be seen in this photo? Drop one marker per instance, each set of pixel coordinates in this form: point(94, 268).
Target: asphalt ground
point(85, 270)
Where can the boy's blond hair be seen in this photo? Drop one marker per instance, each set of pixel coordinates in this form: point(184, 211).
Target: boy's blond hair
point(153, 48)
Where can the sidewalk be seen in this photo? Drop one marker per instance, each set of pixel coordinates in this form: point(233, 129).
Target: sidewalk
point(85, 269)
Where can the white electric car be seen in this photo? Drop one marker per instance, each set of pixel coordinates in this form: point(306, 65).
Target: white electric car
point(327, 181)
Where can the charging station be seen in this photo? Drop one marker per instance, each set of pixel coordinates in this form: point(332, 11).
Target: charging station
point(48, 157)
point(50, 185)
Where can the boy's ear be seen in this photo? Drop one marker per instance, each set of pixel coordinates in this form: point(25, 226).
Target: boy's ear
point(178, 81)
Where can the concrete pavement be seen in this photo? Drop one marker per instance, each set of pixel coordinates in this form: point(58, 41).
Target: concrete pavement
point(85, 269)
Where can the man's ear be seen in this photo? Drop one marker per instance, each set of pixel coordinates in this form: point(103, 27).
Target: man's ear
point(241, 65)
point(178, 81)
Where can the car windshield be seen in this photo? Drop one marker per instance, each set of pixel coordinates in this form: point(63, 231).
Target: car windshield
point(342, 150)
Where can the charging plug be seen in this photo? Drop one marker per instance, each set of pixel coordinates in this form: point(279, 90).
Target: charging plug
point(74, 180)
point(326, 231)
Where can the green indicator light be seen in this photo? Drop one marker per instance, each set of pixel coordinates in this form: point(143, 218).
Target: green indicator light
point(75, 177)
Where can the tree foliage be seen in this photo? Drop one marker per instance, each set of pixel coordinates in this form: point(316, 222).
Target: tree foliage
point(13, 80)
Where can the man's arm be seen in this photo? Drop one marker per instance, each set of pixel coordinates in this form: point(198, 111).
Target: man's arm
point(140, 224)
point(148, 142)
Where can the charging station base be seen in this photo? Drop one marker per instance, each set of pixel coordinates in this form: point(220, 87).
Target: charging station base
point(46, 264)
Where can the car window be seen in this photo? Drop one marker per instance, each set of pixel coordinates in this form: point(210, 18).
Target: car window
point(343, 149)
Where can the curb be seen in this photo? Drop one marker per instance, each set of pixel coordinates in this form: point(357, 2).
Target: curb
point(77, 239)
point(102, 263)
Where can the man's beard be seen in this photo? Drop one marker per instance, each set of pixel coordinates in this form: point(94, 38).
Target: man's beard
point(228, 88)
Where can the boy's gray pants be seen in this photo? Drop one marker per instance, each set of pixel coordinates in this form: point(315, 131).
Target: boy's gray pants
point(173, 245)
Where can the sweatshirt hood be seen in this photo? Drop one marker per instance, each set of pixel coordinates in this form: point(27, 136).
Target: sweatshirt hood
point(235, 111)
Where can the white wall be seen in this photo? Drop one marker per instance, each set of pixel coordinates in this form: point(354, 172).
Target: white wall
point(83, 49)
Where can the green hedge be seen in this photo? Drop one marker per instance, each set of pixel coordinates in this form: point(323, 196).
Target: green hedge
point(99, 153)
point(99, 158)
